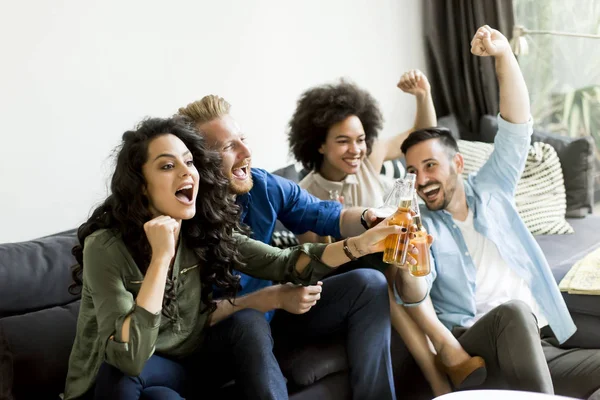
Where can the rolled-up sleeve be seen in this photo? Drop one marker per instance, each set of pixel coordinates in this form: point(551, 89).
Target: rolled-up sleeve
point(300, 211)
point(428, 280)
point(506, 163)
point(265, 262)
point(102, 273)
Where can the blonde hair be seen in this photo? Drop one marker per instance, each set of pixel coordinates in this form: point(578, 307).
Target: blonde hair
point(206, 109)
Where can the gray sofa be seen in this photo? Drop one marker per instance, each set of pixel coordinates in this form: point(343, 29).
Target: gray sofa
point(38, 315)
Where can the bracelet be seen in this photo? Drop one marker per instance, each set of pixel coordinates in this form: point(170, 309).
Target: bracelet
point(363, 221)
point(348, 252)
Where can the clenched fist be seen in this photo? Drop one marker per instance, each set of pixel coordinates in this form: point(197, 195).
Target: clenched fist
point(160, 232)
point(414, 82)
point(489, 42)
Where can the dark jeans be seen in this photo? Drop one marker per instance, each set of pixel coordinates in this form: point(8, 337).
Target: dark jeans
point(241, 348)
point(230, 351)
point(508, 339)
point(355, 304)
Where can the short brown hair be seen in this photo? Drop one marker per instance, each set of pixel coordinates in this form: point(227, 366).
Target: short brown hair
point(206, 109)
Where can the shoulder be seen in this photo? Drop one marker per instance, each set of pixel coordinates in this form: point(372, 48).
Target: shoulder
point(104, 255)
point(105, 246)
point(308, 180)
point(312, 185)
point(102, 239)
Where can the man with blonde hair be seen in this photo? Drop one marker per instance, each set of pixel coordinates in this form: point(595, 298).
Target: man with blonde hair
point(353, 303)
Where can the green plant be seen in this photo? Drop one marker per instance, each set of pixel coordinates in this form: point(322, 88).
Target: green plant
point(576, 111)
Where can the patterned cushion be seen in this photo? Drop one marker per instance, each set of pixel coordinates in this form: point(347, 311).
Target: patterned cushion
point(283, 238)
point(540, 195)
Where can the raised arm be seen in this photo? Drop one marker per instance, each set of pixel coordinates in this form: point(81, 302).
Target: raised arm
point(505, 165)
point(416, 83)
point(128, 326)
point(514, 96)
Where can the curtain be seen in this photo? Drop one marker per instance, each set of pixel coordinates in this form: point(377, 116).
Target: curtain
point(462, 84)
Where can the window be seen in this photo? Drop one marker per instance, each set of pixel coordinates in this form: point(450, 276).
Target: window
point(563, 73)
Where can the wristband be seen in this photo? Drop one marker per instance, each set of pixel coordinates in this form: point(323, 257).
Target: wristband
point(363, 221)
point(348, 252)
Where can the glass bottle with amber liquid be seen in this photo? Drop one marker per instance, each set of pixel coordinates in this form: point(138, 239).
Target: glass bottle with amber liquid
point(422, 268)
point(396, 246)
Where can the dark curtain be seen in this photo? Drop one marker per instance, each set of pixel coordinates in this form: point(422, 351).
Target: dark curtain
point(462, 84)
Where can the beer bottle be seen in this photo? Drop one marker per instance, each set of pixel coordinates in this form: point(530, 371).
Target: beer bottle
point(396, 246)
point(422, 268)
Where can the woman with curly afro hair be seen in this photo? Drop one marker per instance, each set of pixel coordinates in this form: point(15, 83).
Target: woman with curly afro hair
point(334, 134)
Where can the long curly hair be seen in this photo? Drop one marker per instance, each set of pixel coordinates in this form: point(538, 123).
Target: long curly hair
point(323, 106)
point(209, 232)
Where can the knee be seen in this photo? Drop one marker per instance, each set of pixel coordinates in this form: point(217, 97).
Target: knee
point(249, 325)
point(516, 311)
point(369, 281)
point(111, 381)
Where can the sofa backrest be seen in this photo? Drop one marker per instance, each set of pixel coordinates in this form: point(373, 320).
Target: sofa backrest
point(36, 274)
point(38, 315)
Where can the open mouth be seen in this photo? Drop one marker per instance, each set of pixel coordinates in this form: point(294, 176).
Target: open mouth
point(241, 173)
point(352, 162)
point(430, 192)
point(185, 194)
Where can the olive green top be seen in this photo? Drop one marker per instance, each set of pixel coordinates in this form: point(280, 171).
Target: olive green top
point(111, 281)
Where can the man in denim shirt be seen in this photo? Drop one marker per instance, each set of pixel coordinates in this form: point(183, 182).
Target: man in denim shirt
point(491, 283)
point(355, 303)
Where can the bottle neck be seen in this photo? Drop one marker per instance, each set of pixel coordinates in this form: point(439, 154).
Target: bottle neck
point(417, 221)
point(405, 203)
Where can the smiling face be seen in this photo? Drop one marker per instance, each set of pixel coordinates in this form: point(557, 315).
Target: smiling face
point(171, 178)
point(224, 135)
point(437, 172)
point(344, 149)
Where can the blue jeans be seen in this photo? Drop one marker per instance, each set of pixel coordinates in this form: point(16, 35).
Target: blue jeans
point(355, 304)
point(240, 347)
point(232, 349)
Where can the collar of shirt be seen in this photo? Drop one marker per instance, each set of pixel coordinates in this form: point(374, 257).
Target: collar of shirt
point(333, 185)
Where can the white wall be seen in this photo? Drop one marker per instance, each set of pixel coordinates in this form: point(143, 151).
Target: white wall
point(75, 74)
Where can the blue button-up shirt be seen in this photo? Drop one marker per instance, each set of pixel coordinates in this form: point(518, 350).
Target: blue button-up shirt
point(490, 194)
point(275, 198)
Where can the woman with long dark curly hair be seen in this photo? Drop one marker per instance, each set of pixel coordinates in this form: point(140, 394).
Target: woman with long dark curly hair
point(334, 134)
point(148, 258)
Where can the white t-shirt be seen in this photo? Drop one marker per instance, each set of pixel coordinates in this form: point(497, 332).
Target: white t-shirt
point(496, 282)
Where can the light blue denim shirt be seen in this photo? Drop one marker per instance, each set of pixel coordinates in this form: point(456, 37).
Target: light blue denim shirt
point(490, 194)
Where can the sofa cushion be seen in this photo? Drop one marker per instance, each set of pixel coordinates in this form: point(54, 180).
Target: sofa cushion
point(540, 192)
point(562, 252)
point(576, 159)
point(307, 364)
point(41, 343)
point(36, 274)
point(6, 369)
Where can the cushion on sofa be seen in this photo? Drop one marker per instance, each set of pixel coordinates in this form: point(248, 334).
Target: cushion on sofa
point(6, 369)
point(540, 194)
point(576, 159)
point(563, 252)
point(41, 343)
point(36, 274)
